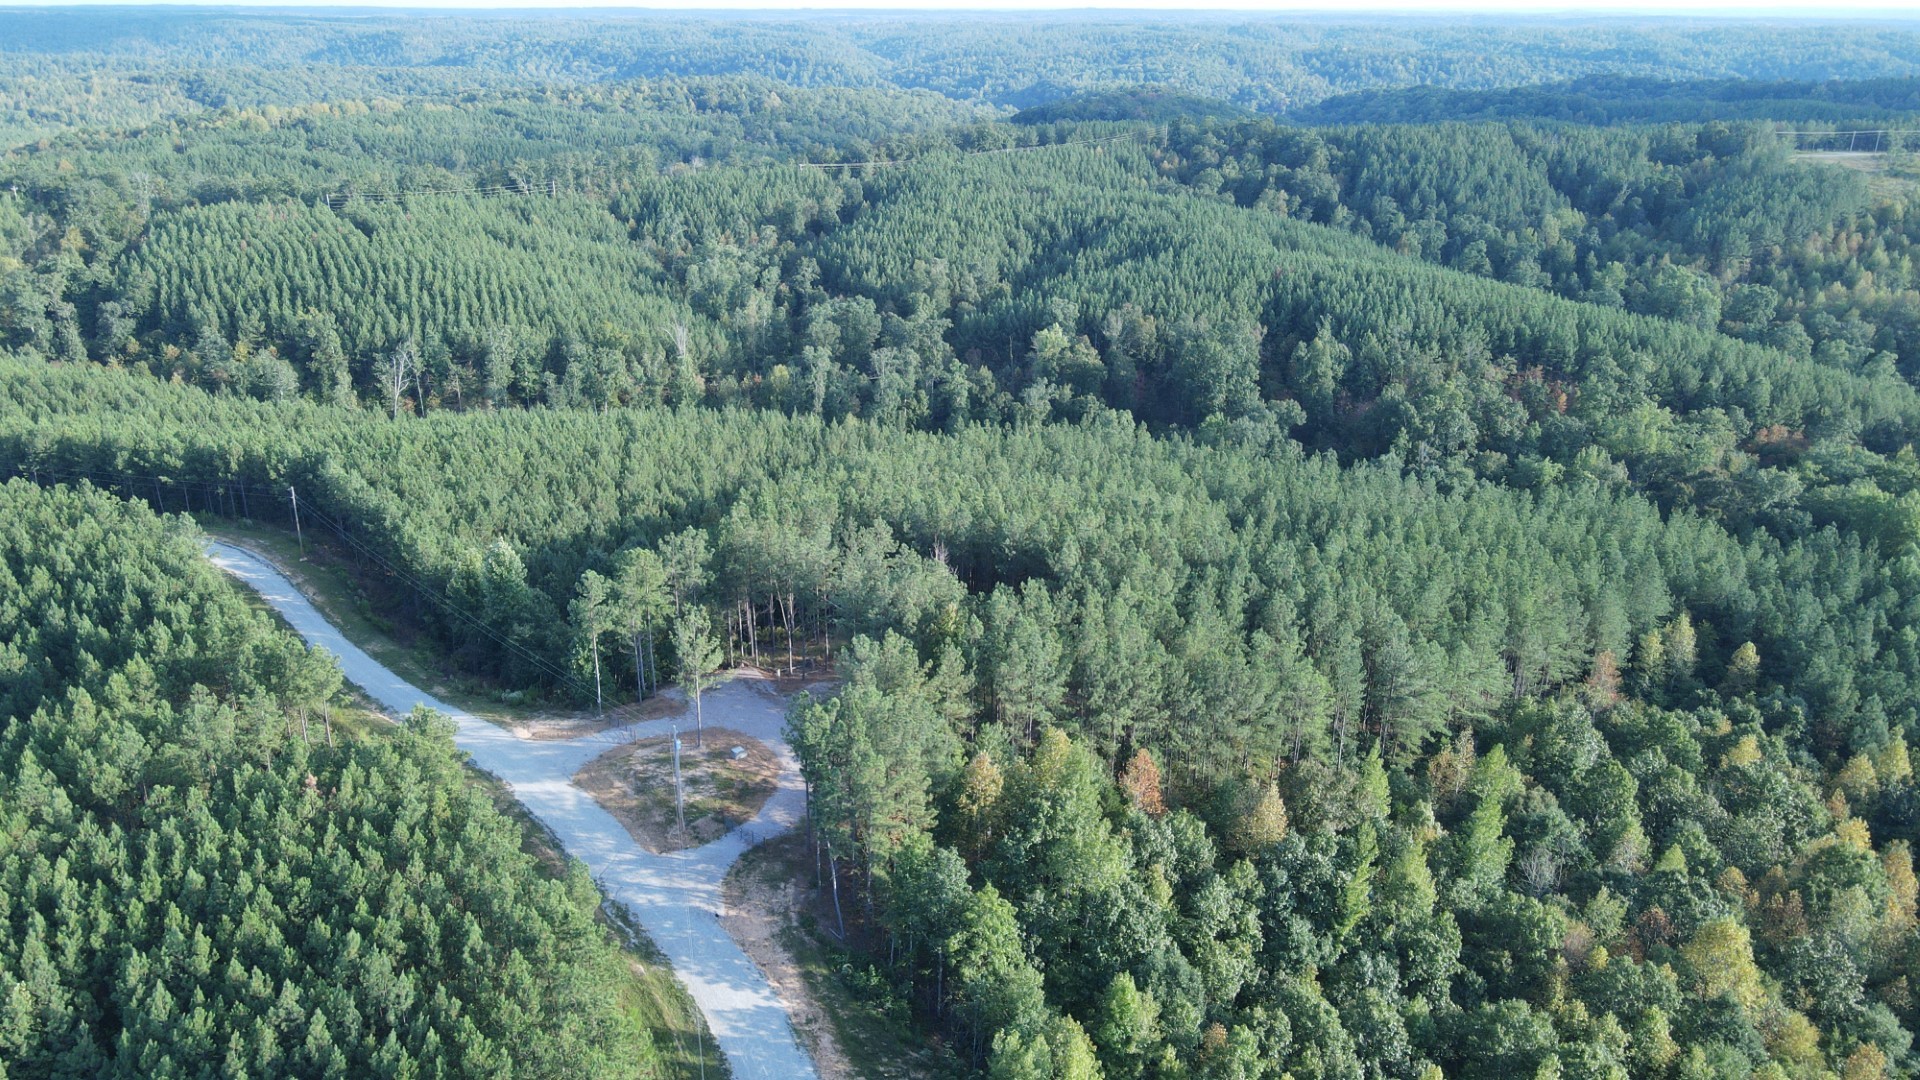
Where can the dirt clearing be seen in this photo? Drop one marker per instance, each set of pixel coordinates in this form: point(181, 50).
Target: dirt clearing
point(634, 783)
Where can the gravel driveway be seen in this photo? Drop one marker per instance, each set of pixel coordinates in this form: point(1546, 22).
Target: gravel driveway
point(675, 896)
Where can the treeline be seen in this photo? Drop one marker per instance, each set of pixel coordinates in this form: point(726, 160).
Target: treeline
point(592, 138)
point(1159, 759)
point(1603, 101)
point(1105, 291)
point(198, 874)
point(1709, 226)
point(377, 297)
point(1261, 62)
point(1723, 340)
point(1712, 225)
point(1270, 602)
point(1140, 104)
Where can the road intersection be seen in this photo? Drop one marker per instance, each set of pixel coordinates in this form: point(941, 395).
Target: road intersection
point(675, 897)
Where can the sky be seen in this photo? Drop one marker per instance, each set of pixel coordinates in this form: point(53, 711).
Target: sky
point(1873, 9)
point(1905, 9)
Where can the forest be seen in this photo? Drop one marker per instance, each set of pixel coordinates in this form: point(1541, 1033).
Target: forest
point(199, 877)
point(1337, 558)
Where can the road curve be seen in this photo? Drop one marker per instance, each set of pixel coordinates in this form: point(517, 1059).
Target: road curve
point(675, 897)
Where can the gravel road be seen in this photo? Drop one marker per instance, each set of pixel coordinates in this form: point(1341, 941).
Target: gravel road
point(675, 897)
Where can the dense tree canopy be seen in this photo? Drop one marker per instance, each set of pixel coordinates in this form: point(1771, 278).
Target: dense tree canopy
point(1683, 308)
point(1264, 62)
point(195, 880)
point(1362, 550)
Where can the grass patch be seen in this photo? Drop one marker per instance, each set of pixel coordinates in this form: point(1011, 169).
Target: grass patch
point(656, 1000)
point(1889, 174)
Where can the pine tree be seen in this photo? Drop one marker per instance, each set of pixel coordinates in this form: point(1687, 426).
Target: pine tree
point(698, 654)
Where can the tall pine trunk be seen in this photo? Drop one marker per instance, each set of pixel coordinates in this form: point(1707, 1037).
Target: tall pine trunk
point(789, 613)
point(599, 699)
point(753, 636)
point(833, 871)
point(640, 669)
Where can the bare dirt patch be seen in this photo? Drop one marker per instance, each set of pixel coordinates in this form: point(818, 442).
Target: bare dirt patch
point(634, 783)
point(840, 1007)
point(556, 725)
point(810, 676)
point(762, 909)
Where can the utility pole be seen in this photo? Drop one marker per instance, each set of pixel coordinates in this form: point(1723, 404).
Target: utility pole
point(679, 790)
point(295, 496)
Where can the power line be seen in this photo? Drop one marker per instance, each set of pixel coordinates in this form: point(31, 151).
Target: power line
point(1884, 139)
point(448, 604)
point(1852, 131)
point(211, 488)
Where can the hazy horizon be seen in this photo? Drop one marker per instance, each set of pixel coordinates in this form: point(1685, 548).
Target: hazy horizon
point(1733, 10)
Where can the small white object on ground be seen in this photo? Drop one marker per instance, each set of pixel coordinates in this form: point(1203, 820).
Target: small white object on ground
point(742, 1009)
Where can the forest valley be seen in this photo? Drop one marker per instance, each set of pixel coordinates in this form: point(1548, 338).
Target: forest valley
point(1335, 563)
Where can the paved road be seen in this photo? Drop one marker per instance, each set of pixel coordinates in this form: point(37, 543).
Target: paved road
point(676, 897)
